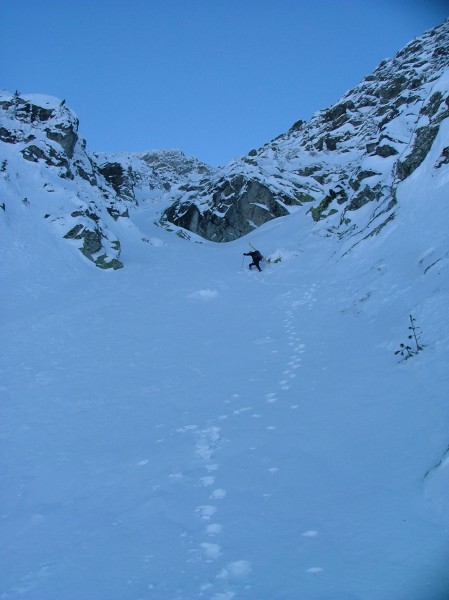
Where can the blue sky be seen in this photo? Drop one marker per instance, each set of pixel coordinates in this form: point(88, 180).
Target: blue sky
point(214, 78)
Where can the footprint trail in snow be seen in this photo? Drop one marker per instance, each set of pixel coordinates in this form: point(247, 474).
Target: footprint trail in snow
point(223, 575)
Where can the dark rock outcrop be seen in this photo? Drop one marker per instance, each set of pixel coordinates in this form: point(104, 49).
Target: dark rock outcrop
point(238, 206)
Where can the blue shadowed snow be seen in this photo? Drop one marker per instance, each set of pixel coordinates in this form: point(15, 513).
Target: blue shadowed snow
point(186, 429)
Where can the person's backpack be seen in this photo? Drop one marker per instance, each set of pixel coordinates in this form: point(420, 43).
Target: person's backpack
point(258, 255)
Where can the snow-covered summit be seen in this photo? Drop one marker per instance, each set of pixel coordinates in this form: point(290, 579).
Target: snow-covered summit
point(145, 176)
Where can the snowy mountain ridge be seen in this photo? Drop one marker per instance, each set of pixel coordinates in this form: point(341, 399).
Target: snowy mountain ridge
point(340, 170)
point(45, 166)
point(350, 156)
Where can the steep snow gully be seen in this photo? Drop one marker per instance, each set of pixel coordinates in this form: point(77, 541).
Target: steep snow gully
point(185, 428)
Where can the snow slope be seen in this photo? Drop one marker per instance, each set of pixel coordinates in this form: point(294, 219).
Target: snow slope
point(187, 429)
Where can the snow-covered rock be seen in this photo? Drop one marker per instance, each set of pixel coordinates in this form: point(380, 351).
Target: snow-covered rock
point(348, 156)
point(45, 166)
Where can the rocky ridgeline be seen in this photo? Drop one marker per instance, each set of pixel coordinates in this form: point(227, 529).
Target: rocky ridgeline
point(349, 157)
point(341, 169)
point(40, 148)
point(146, 177)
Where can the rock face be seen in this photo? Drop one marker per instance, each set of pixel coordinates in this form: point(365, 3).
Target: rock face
point(340, 170)
point(238, 206)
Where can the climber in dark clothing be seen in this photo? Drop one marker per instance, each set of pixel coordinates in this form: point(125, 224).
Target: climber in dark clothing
point(256, 256)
